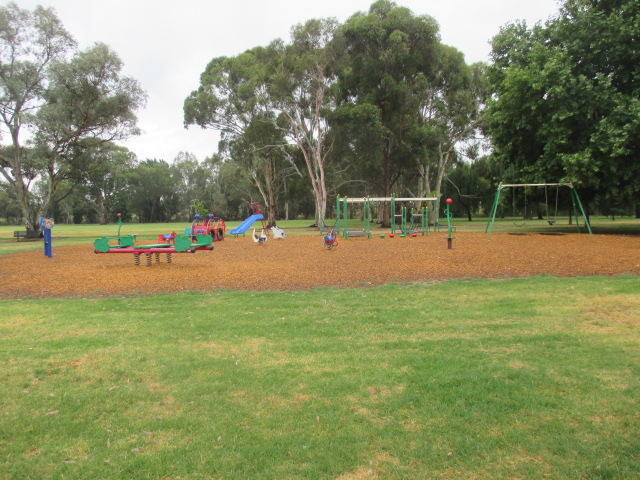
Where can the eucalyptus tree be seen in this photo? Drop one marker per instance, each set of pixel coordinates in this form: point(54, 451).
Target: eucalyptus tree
point(193, 178)
point(284, 86)
point(261, 152)
point(390, 57)
point(88, 104)
point(300, 85)
point(451, 109)
point(229, 189)
point(565, 103)
point(29, 43)
point(154, 186)
point(106, 179)
point(233, 98)
point(65, 106)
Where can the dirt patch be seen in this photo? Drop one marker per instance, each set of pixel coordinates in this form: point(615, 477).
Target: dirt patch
point(301, 262)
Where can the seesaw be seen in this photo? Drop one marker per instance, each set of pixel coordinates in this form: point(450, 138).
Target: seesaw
point(126, 244)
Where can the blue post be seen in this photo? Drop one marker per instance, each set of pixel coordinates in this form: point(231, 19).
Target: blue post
point(47, 224)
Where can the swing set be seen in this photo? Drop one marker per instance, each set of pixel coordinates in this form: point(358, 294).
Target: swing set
point(407, 221)
point(575, 203)
point(365, 231)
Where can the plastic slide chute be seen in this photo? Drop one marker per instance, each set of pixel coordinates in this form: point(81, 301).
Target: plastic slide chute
point(244, 226)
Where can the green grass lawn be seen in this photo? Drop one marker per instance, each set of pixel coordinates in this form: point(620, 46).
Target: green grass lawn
point(529, 378)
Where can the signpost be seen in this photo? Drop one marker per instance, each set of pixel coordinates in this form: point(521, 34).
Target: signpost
point(47, 224)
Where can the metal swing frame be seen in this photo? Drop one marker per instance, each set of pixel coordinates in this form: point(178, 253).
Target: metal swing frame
point(575, 200)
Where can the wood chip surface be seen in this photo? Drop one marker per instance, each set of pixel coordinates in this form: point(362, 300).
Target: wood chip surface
point(301, 262)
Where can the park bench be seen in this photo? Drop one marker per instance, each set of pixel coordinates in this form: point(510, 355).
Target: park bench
point(23, 235)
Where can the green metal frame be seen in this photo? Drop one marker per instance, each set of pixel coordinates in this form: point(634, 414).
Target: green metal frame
point(424, 221)
point(366, 214)
point(575, 200)
point(405, 222)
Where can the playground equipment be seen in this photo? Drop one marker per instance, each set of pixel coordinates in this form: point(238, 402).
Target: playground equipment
point(278, 232)
point(170, 238)
point(210, 225)
point(126, 244)
point(330, 240)
point(575, 203)
point(408, 221)
point(447, 212)
point(342, 222)
point(257, 215)
point(415, 220)
point(260, 239)
point(46, 224)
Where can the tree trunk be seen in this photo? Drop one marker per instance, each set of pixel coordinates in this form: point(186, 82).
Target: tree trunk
point(21, 192)
point(28, 217)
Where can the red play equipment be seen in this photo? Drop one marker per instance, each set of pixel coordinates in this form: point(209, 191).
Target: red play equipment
point(167, 244)
point(163, 238)
point(330, 240)
point(257, 210)
point(210, 225)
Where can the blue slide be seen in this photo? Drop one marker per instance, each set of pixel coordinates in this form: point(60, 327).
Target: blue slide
point(244, 226)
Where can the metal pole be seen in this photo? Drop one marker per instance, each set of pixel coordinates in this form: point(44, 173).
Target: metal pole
point(392, 213)
point(425, 220)
point(448, 213)
point(344, 218)
point(368, 216)
point(119, 225)
point(584, 216)
point(494, 208)
point(338, 214)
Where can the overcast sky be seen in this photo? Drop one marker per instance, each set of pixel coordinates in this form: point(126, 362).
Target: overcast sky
point(166, 45)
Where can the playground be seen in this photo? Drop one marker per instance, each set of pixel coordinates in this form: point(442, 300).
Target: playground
point(300, 262)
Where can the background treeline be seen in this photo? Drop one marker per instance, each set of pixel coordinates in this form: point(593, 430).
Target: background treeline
point(374, 106)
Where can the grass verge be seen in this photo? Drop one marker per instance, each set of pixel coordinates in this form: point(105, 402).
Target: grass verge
point(528, 378)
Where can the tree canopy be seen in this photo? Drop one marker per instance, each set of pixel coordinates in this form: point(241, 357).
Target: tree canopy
point(373, 106)
point(566, 103)
point(56, 104)
point(349, 97)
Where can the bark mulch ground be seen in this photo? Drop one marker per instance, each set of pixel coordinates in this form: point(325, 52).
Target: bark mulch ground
point(301, 262)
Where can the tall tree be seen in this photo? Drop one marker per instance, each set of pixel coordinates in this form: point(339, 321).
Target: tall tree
point(154, 186)
point(29, 43)
point(65, 106)
point(233, 98)
point(88, 104)
point(566, 98)
point(106, 179)
point(451, 108)
point(391, 55)
point(261, 153)
point(301, 85)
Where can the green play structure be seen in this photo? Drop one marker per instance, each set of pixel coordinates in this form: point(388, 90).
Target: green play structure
point(342, 217)
point(404, 219)
point(575, 203)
